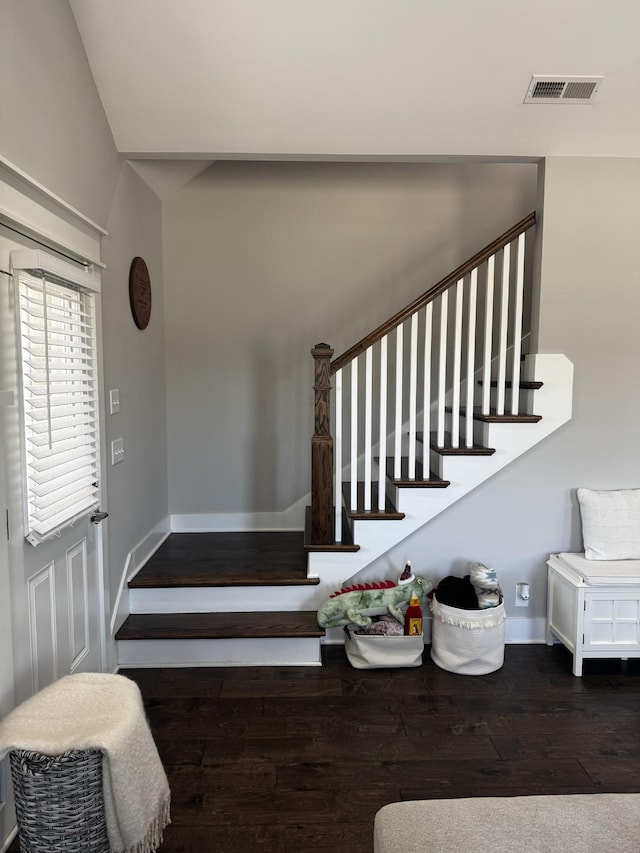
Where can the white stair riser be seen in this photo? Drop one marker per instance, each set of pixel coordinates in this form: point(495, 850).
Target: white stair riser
point(264, 651)
point(238, 599)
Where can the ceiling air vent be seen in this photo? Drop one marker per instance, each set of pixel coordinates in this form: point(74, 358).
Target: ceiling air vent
point(562, 90)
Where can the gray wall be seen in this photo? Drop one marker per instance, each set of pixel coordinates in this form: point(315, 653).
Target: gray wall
point(263, 261)
point(53, 127)
point(52, 124)
point(589, 310)
point(134, 364)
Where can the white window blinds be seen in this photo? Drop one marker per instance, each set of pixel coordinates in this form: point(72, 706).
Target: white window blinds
point(59, 385)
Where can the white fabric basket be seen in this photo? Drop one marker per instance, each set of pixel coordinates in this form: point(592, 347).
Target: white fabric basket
point(379, 651)
point(468, 642)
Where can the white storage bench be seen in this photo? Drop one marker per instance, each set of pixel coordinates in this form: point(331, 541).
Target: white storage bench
point(593, 607)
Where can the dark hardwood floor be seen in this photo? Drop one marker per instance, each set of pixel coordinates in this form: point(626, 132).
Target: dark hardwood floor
point(252, 558)
point(298, 760)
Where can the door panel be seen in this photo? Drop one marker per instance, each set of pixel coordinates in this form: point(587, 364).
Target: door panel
point(52, 597)
point(55, 586)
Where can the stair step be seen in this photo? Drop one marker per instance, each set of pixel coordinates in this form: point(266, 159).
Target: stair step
point(347, 543)
point(249, 558)
point(448, 450)
point(525, 384)
point(419, 482)
point(494, 418)
point(218, 626)
point(361, 514)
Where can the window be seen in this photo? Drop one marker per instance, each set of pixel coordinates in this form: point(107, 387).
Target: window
point(59, 395)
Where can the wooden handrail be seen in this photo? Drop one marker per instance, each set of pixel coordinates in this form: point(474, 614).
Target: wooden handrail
point(433, 292)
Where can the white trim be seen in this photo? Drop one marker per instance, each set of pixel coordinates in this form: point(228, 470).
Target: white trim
point(36, 259)
point(80, 548)
point(250, 651)
point(11, 167)
point(228, 599)
point(44, 575)
point(531, 630)
point(34, 212)
point(9, 840)
point(136, 559)
point(290, 519)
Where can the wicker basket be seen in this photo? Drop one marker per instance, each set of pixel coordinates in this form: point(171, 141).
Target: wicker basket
point(59, 802)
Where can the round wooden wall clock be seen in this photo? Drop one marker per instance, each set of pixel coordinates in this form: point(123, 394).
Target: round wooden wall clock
point(140, 293)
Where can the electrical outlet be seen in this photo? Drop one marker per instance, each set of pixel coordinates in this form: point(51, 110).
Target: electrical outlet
point(523, 594)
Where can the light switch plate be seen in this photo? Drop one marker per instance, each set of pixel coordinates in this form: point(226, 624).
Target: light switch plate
point(114, 401)
point(117, 451)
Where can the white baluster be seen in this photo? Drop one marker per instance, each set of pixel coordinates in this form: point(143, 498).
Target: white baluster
point(488, 337)
point(442, 367)
point(368, 404)
point(382, 442)
point(413, 390)
point(426, 390)
point(504, 322)
point(337, 502)
point(457, 358)
point(471, 356)
point(353, 468)
point(397, 453)
point(517, 325)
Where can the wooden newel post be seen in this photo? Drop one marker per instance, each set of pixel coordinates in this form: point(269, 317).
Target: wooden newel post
point(322, 516)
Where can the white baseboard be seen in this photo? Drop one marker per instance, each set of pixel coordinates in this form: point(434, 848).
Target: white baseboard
point(208, 522)
point(523, 631)
point(9, 840)
point(136, 559)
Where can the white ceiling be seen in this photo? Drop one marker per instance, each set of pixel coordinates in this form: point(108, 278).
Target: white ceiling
point(320, 79)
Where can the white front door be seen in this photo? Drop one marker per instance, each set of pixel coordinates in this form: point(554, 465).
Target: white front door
point(7, 819)
point(56, 587)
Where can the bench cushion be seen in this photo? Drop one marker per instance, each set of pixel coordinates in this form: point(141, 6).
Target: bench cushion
point(589, 823)
point(602, 571)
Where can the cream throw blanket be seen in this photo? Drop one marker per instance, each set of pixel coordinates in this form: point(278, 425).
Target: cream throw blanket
point(100, 711)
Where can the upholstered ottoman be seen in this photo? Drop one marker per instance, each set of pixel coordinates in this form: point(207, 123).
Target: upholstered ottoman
point(571, 823)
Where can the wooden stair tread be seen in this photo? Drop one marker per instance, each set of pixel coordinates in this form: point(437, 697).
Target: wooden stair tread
point(419, 482)
point(217, 626)
point(448, 450)
point(347, 543)
point(525, 384)
point(250, 558)
point(494, 418)
point(374, 514)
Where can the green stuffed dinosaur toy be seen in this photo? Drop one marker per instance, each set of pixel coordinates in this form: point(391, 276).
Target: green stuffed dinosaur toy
point(356, 605)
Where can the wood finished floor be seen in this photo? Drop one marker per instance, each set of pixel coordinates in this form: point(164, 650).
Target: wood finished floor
point(299, 759)
point(252, 558)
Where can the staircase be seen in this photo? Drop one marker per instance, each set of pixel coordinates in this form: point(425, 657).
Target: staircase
point(213, 599)
point(208, 599)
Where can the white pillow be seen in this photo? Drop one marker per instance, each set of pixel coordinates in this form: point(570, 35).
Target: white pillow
point(610, 524)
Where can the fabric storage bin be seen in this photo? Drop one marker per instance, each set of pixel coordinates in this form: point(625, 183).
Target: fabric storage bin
point(380, 651)
point(468, 642)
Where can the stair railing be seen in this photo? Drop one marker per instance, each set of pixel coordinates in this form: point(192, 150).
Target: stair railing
point(468, 327)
